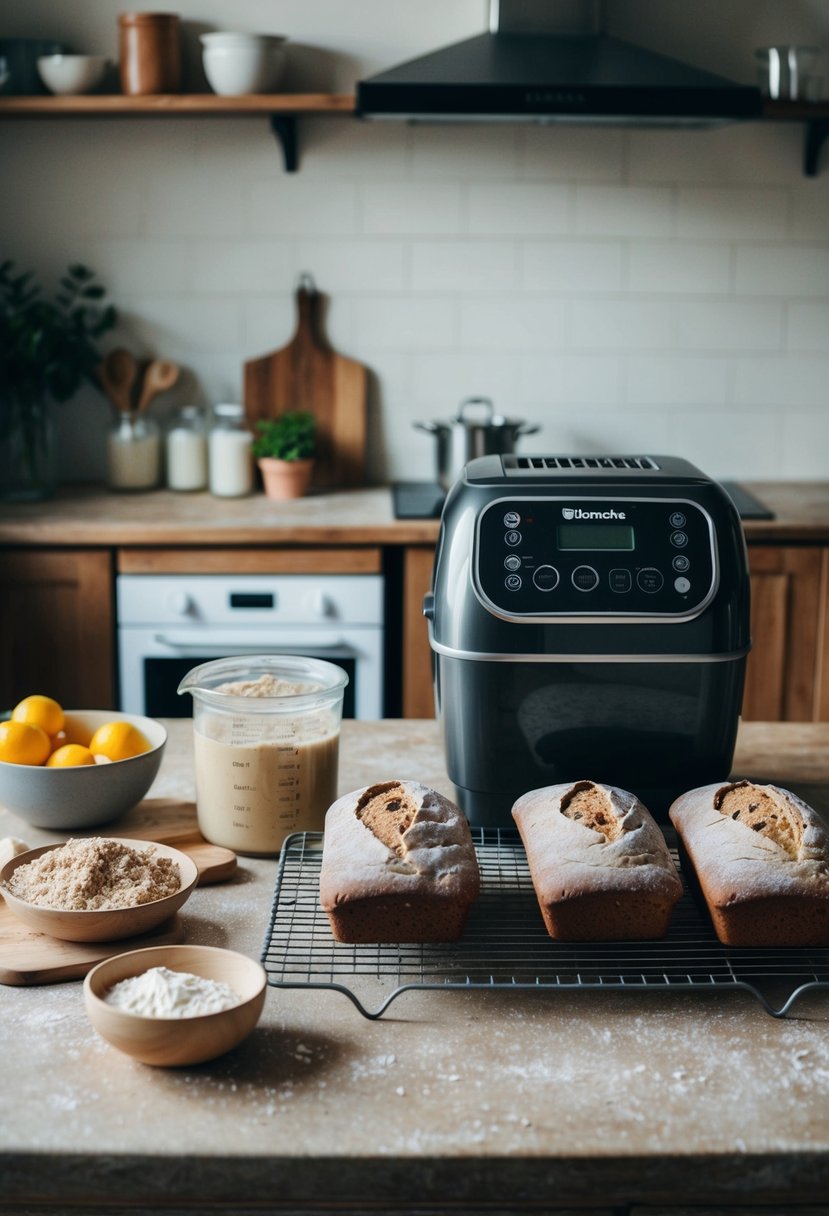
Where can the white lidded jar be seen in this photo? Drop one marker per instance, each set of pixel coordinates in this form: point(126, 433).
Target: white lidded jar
point(230, 456)
point(187, 450)
point(133, 453)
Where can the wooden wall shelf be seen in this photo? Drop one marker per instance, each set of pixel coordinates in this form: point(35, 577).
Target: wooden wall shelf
point(281, 109)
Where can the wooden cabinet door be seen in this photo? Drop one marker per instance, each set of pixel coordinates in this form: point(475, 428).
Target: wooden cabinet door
point(418, 697)
point(58, 627)
point(788, 589)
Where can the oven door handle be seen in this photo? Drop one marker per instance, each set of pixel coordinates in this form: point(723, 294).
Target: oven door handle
point(326, 644)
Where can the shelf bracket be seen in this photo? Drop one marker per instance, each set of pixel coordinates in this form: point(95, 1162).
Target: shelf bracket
point(817, 130)
point(284, 128)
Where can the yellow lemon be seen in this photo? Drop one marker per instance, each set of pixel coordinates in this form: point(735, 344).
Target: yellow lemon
point(21, 743)
point(72, 732)
point(39, 711)
point(118, 741)
point(70, 756)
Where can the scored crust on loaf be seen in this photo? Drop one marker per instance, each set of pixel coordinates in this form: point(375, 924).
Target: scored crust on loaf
point(761, 858)
point(599, 864)
point(398, 864)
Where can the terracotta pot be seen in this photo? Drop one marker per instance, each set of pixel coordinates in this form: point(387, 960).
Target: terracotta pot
point(285, 478)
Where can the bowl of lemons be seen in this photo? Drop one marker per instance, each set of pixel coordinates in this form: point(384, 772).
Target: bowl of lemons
point(70, 769)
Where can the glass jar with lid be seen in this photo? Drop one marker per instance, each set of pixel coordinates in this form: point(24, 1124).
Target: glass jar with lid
point(230, 457)
point(133, 453)
point(186, 450)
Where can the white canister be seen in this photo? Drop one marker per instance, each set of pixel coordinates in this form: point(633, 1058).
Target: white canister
point(133, 454)
point(230, 456)
point(187, 450)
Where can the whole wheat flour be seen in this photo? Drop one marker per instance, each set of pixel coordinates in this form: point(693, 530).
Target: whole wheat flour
point(95, 875)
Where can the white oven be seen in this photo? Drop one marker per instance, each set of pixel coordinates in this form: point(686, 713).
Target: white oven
point(170, 623)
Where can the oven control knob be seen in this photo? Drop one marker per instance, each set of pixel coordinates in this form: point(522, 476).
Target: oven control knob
point(323, 606)
point(180, 603)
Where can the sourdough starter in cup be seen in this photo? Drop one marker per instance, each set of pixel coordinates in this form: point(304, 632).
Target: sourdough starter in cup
point(266, 731)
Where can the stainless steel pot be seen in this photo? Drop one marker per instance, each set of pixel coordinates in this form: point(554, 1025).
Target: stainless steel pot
point(476, 430)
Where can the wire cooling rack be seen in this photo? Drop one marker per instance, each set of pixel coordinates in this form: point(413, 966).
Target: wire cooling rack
point(506, 946)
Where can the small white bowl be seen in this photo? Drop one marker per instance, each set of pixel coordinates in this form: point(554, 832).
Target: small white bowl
point(173, 1042)
point(68, 799)
point(101, 925)
point(233, 70)
point(71, 74)
point(241, 38)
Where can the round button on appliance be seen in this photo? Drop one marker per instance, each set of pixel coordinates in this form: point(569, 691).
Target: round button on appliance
point(650, 580)
point(513, 562)
point(679, 539)
point(681, 563)
point(677, 519)
point(546, 578)
point(513, 538)
point(682, 585)
point(512, 519)
point(513, 582)
point(584, 578)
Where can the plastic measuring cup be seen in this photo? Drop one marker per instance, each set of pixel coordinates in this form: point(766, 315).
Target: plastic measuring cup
point(266, 734)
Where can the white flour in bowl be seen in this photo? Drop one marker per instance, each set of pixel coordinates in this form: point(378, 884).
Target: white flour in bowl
point(162, 993)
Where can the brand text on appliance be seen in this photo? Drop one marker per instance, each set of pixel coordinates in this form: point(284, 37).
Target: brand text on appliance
point(578, 513)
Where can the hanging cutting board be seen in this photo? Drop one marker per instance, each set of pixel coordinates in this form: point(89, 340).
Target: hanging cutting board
point(308, 375)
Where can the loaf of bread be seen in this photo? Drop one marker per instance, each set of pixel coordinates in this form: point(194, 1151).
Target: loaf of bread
point(398, 865)
point(599, 864)
point(761, 859)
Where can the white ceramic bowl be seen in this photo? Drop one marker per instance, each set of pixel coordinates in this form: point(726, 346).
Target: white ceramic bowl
point(177, 1041)
point(234, 69)
point(108, 924)
point(241, 38)
point(67, 799)
point(69, 74)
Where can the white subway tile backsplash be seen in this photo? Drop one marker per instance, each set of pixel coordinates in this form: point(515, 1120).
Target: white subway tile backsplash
point(623, 211)
point(677, 380)
point(712, 213)
point(783, 270)
point(527, 207)
point(293, 205)
point(512, 323)
point(463, 266)
point(678, 268)
point(726, 325)
point(571, 266)
point(411, 208)
point(621, 325)
point(629, 289)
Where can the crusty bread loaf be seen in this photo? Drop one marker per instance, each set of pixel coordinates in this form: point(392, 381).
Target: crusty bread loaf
point(398, 865)
point(761, 858)
point(599, 864)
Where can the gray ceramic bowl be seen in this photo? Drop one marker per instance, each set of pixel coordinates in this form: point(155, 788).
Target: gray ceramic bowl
point(66, 799)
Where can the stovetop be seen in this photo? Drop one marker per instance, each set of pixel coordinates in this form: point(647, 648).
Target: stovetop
point(424, 500)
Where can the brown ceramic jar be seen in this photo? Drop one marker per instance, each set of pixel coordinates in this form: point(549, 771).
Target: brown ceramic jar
point(149, 53)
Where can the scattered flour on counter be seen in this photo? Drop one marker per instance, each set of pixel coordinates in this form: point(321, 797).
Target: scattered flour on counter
point(162, 993)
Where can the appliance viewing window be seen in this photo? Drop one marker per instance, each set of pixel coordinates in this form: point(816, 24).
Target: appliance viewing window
point(162, 678)
point(595, 537)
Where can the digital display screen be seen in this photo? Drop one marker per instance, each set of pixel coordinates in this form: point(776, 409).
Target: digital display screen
point(594, 537)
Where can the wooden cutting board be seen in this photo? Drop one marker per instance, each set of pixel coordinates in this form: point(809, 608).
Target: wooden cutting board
point(27, 957)
point(308, 375)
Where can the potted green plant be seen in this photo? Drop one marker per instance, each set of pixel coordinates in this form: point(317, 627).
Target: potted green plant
point(284, 448)
point(47, 350)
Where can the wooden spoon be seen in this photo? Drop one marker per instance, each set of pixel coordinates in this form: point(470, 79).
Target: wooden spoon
point(158, 377)
point(120, 370)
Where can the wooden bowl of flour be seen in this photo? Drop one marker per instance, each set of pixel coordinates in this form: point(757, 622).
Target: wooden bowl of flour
point(182, 1040)
point(100, 925)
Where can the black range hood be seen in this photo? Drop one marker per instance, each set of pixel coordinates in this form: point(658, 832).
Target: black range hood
point(536, 76)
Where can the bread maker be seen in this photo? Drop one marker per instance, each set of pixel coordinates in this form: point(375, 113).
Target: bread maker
point(588, 619)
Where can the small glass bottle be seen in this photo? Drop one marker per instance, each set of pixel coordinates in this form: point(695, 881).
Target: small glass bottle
point(230, 456)
point(134, 453)
point(187, 450)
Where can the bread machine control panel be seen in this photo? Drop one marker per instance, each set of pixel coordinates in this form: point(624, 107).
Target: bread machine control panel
point(542, 557)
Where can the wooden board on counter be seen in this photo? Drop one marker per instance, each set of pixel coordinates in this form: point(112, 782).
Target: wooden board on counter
point(308, 374)
point(27, 957)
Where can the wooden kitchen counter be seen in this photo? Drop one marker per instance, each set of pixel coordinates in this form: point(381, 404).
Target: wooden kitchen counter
point(498, 1102)
point(92, 516)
